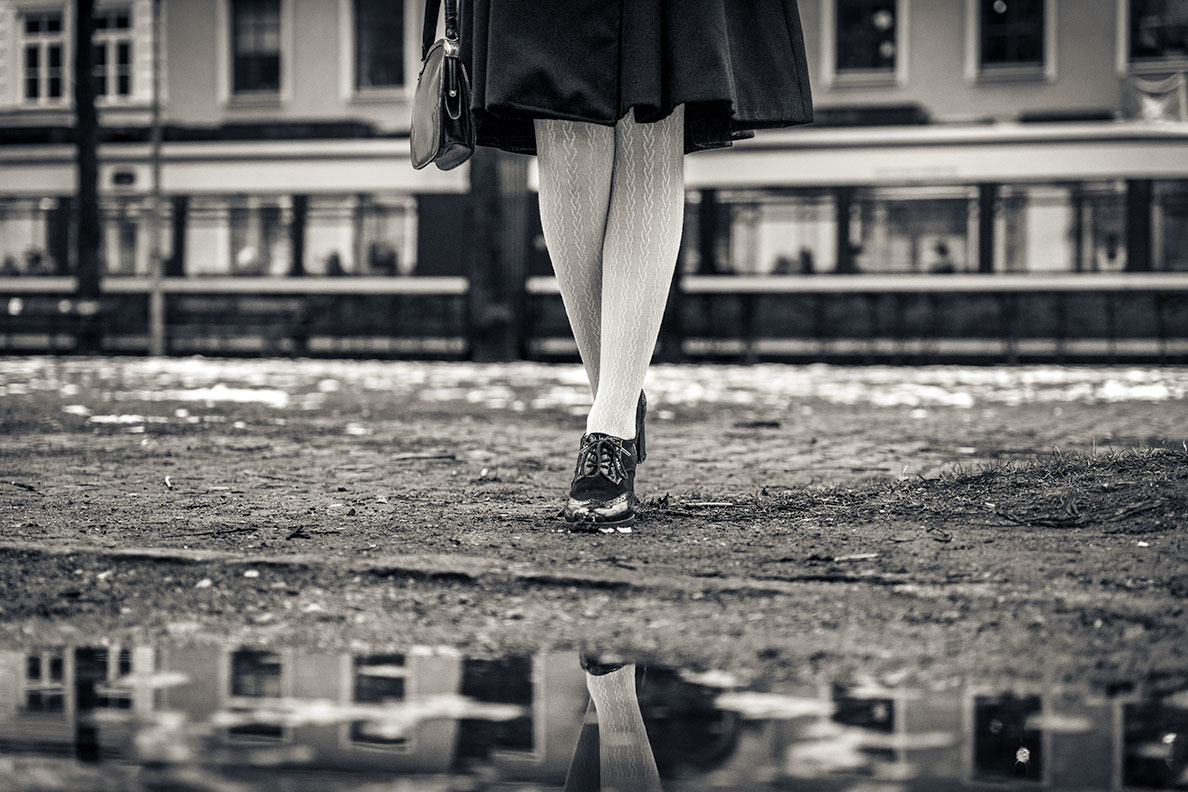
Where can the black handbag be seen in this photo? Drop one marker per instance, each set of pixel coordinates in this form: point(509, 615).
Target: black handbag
point(442, 125)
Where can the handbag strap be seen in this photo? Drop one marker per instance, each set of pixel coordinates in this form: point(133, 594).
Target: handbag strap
point(430, 32)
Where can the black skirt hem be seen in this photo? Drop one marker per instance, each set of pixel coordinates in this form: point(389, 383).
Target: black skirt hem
point(708, 124)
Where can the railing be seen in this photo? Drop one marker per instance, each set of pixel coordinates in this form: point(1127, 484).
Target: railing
point(343, 316)
point(888, 317)
point(909, 317)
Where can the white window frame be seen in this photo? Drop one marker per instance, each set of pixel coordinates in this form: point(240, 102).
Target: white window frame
point(111, 41)
point(349, 673)
point(1124, 66)
point(975, 72)
point(829, 73)
point(413, 21)
point(226, 56)
point(66, 99)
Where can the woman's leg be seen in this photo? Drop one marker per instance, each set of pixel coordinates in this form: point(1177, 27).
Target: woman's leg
point(643, 235)
point(625, 756)
point(575, 161)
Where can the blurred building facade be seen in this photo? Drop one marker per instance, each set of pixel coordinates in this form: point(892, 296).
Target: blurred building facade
point(288, 713)
point(953, 136)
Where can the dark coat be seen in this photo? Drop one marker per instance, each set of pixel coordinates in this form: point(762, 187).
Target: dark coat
point(736, 65)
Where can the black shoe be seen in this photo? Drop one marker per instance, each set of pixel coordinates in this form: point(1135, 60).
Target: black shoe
point(595, 667)
point(641, 410)
point(603, 490)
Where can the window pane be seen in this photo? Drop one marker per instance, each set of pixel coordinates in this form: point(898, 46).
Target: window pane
point(257, 73)
point(32, 59)
point(255, 674)
point(53, 23)
point(268, 40)
point(33, 668)
point(256, 38)
point(123, 20)
point(99, 54)
point(1158, 28)
point(866, 35)
point(1012, 32)
point(379, 43)
point(123, 85)
point(55, 56)
point(255, 21)
point(33, 25)
point(124, 53)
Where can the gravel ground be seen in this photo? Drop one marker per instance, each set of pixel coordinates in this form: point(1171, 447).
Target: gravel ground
point(800, 522)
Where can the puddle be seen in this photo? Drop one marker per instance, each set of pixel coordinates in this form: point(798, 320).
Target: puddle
point(209, 717)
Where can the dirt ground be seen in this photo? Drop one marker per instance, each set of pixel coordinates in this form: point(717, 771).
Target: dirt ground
point(911, 525)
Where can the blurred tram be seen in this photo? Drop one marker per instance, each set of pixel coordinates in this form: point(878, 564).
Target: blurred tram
point(985, 182)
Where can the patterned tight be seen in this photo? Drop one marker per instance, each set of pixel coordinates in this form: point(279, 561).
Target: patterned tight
point(612, 208)
point(624, 755)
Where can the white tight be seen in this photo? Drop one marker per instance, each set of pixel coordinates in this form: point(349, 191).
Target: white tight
point(612, 207)
point(625, 756)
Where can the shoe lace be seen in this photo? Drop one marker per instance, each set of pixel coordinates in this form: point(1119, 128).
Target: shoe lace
point(602, 455)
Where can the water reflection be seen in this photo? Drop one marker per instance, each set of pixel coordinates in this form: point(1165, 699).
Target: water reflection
point(212, 717)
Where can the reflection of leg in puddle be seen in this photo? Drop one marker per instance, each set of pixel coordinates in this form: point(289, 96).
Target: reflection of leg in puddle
point(613, 744)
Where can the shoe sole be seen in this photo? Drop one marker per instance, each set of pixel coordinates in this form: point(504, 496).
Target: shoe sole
point(593, 526)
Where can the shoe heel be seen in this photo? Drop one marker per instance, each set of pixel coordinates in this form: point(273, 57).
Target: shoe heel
point(641, 449)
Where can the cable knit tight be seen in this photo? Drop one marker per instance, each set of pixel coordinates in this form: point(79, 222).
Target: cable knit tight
point(625, 755)
point(612, 208)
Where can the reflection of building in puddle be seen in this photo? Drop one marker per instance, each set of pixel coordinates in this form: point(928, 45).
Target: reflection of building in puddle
point(72, 701)
point(506, 680)
point(435, 713)
point(421, 711)
point(1005, 744)
point(378, 679)
point(1155, 752)
point(255, 675)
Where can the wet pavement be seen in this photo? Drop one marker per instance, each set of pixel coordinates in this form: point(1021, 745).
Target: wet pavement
point(223, 717)
point(234, 575)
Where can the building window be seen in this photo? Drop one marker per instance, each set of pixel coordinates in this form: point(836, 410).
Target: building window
point(256, 46)
point(43, 44)
point(1012, 33)
point(1158, 30)
point(379, 679)
point(379, 44)
point(865, 36)
point(112, 47)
